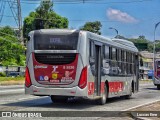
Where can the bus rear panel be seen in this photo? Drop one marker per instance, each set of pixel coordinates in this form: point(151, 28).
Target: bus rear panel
point(54, 65)
point(71, 63)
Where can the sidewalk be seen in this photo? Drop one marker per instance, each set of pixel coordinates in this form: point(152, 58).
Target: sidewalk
point(151, 110)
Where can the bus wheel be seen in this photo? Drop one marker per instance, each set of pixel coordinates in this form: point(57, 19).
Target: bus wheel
point(57, 99)
point(130, 94)
point(103, 99)
point(158, 87)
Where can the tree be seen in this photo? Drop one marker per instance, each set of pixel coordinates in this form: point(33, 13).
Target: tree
point(43, 18)
point(92, 27)
point(12, 52)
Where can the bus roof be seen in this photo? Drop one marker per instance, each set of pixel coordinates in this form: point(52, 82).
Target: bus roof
point(120, 43)
point(56, 31)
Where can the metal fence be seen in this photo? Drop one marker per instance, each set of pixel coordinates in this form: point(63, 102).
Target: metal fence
point(13, 70)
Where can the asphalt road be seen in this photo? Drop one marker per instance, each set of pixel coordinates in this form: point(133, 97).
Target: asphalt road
point(12, 98)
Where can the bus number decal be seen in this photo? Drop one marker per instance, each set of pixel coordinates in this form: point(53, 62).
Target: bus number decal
point(90, 88)
point(68, 67)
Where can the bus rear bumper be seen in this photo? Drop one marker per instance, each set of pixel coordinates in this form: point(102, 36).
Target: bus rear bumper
point(45, 91)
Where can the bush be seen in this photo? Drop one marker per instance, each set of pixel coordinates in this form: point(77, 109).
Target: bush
point(2, 74)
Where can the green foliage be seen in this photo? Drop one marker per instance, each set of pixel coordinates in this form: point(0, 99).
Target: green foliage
point(43, 18)
point(12, 52)
point(141, 40)
point(92, 27)
point(2, 74)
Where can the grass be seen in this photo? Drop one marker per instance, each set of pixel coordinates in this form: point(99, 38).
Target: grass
point(11, 80)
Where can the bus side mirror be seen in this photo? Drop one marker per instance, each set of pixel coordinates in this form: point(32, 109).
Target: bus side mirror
point(141, 62)
point(28, 38)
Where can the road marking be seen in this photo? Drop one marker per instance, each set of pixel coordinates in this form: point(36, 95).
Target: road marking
point(11, 86)
point(140, 105)
point(11, 91)
point(30, 98)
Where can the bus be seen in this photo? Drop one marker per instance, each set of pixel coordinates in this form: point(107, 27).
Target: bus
point(156, 79)
point(63, 63)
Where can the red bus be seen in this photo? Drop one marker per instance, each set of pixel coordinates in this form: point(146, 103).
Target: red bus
point(156, 79)
point(65, 63)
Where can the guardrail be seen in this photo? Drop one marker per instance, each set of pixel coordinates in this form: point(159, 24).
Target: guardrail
point(13, 70)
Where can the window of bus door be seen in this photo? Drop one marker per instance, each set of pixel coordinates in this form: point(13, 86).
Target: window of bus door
point(92, 57)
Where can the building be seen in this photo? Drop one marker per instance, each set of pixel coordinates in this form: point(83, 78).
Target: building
point(147, 58)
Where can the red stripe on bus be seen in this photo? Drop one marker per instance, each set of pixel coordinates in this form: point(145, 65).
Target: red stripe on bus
point(90, 88)
point(113, 87)
point(116, 86)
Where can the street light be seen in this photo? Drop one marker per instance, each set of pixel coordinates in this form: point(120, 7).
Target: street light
point(154, 45)
point(114, 29)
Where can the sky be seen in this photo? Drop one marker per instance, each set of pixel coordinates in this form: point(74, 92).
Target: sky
point(131, 18)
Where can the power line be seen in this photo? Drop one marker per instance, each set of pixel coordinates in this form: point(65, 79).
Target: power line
point(81, 1)
point(76, 20)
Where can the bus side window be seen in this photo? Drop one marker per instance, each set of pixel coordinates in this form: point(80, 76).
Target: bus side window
point(113, 54)
point(91, 53)
point(110, 53)
point(119, 61)
point(106, 52)
point(106, 57)
point(122, 62)
point(105, 62)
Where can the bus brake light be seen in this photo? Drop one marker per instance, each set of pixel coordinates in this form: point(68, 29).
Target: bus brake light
point(27, 78)
point(83, 78)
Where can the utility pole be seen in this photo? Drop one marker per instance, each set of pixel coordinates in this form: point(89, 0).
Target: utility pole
point(15, 7)
point(20, 22)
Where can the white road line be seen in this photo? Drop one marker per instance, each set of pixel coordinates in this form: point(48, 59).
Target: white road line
point(140, 105)
point(11, 86)
point(11, 91)
point(31, 98)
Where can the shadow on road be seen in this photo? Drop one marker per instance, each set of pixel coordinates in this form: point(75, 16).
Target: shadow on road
point(152, 88)
point(76, 104)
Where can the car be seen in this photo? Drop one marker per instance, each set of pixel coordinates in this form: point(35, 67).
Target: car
point(13, 74)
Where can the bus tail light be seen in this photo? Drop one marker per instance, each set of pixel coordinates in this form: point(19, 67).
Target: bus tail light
point(83, 78)
point(27, 78)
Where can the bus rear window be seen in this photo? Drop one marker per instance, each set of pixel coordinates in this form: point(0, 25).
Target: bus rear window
point(55, 42)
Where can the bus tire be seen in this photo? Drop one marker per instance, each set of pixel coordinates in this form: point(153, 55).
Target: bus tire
point(58, 99)
point(103, 99)
point(158, 87)
point(130, 94)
